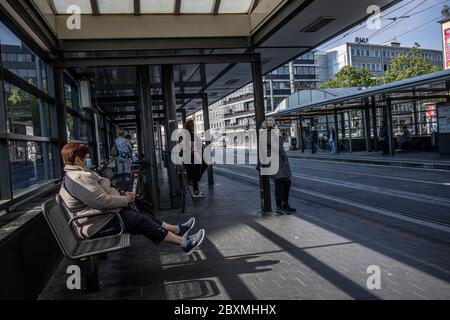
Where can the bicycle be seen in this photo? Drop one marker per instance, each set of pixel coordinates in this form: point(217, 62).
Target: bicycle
point(128, 182)
point(183, 186)
point(122, 181)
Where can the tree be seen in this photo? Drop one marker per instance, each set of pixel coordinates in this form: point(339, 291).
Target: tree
point(351, 77)
point(408, 65)
point(22, 107)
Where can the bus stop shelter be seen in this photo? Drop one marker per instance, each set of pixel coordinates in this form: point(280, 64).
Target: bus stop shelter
point(357, 113)
point(145, 64)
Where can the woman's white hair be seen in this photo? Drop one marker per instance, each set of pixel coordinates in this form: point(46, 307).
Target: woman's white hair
point(269, 123)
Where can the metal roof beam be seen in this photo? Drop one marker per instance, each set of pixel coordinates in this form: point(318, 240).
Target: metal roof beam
point(159, 60)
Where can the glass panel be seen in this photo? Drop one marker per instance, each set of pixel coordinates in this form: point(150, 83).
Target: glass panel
point(102, 140)
point(84, 132)
point(71, 135)
point(157, 6)
point(20, 60)
point(26, 114)
point(31, 164)
point(68, 95)
point(196, 6)
point(62, 5)
point(115, 6)
point(234, 6)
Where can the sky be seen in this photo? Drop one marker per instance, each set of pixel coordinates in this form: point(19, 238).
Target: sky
point(422, 26)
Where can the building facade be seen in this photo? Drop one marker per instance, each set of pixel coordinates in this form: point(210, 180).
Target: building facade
point(373, 57)
point(233, 118)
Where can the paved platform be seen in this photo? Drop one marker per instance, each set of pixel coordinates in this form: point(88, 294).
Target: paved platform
point(427, 160)
point(318, 253)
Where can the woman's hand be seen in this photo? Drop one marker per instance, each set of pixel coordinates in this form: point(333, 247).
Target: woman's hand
point(130, 197)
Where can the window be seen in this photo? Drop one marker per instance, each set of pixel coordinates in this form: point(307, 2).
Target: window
point(25, 113)
point(31, 163)
point(26, 129)
point(21, 61)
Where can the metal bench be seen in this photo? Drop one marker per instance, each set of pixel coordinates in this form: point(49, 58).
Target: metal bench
point(84, 250)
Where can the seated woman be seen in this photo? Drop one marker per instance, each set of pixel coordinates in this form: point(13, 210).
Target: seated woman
point(85, 192)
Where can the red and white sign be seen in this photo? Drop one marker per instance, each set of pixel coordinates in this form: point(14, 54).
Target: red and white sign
point(447, 47)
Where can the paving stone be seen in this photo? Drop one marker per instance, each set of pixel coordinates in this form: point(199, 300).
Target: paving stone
point(323, 254)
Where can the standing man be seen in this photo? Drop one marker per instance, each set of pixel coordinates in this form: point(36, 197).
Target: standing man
point(314, 139)
point(125, 153)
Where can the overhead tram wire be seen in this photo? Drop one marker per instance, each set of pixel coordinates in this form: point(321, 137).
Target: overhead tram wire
point(409, 31)
point(395, 22)
point(421, 26)
point(363, 26)
point(435, 5)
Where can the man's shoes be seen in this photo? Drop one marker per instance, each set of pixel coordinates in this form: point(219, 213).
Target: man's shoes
point(192, 242)
point(289, 209)
point(280, 211)
point(186, 227)
point(198, 194)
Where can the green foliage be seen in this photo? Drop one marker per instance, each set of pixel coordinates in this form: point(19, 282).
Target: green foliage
point(408, 65)
point(351, 77)
point(21, 106)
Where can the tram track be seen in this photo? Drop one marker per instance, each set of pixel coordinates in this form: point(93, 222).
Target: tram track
point(406, 216)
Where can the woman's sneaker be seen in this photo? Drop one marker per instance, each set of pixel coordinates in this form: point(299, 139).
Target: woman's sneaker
point(186, 227)
point(198, 194)
point(192, 242)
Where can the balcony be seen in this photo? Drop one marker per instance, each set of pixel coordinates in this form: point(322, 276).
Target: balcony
point(241, 113)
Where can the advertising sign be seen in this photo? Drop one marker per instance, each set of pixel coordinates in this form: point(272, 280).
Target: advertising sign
point(447, 47)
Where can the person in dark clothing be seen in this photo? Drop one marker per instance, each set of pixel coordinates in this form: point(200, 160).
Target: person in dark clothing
point(282, 178)
point(314, 138)
point(197, 166)
point(383, 139)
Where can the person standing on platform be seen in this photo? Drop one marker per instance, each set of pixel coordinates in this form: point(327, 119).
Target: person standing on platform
point(314, 138)
point(125, 153)
point(332, 139)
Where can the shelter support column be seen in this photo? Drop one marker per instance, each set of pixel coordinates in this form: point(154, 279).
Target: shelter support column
point(139, 132)
point(336, 129)
point(206, 126)
point(258, 89)
point(389, 126)
point(59, 118)
point(146, 134)
point(301, 143)
point(415, 115)
point(170, 118)
point(183, 117)
point(374, 123)
point(367, 125)
point(350, 141)
point(5, 183)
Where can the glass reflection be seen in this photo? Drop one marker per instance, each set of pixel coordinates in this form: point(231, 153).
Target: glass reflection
point(31, 163)
point(26, 114)
point(20, 60)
